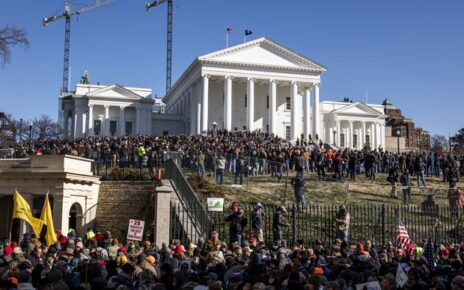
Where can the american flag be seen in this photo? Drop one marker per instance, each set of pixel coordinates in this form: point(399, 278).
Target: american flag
point(403, 236)
point(229, 30)
point(429, 255)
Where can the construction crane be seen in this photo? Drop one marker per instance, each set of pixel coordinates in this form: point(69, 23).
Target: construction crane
point(148, 6)
point(67, 14)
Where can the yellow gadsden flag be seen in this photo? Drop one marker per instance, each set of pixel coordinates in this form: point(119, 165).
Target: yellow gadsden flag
point(21, 210)
point(47, 220)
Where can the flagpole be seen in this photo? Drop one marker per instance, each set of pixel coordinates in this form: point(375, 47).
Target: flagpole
point(11, 220)
point(227, 39)
point(244, 38)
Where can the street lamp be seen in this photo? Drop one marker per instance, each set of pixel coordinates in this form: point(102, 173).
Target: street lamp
point(30, 136)
point(214, 127)
point(398, 134)
point(21, 130)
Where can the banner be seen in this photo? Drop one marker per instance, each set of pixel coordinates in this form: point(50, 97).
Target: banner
point(215, 203)
point(401, 276)
point(21, 210)
point(135, 230)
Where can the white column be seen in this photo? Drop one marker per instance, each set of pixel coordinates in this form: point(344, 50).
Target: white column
point(84, 124)
point(193, 117)
point(90, 124)
point(363, 137)
point(316, 116)
point(307, 116)
point(137, 120)
point(272, 106)
point(122, 121)
point(204, 103)
point(382, 135)
point(373, 141)
point(106, 124)
point(198, 106)
point(228, 103)
point(377, 135)
point(250, 116)
point(351, 135)
point(338, 133)
point(75, 124)
point(293, 113)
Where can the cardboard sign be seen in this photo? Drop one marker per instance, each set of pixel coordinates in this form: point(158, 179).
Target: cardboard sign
point(374, 285)
point(401, 276)
point(215, 204)
point(135, 230)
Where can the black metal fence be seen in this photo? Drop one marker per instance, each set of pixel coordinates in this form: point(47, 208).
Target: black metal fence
point(317, 222)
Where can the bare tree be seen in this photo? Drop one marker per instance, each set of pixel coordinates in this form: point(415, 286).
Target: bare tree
point(9, 36)
point(45, 128)
point(439, 143)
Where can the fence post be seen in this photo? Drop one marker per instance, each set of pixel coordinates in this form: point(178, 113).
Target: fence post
point(383, 224)
point(294, 223)
point(163, 213)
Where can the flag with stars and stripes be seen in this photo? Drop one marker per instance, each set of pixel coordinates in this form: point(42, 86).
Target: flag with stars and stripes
point(429, 255)
point(403, 236)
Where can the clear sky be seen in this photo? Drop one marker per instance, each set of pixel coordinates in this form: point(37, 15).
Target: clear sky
point(409, 51)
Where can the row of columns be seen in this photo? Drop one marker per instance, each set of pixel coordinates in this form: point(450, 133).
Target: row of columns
point(199, 122)
point(377, 134)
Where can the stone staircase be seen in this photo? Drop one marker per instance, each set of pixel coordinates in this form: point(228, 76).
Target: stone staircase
point(120, 201)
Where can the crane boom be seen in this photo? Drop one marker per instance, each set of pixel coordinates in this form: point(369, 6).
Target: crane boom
point(67, 33)
point(148, 6)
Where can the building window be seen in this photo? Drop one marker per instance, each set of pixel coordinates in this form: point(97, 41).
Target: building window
point(288, 103)
point(342, 140)
point(113, 127)
point(267, 102)
point(97, 127)
point(246, 100)
point(128, 128)
point(355, 141)
point(287, 132)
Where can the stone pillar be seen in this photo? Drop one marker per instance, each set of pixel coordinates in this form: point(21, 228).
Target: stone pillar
point(373, 141)
point(106, 126)
point(90, 124)
point(84, 124)
point(204, 104)
point(228, 103)
point(163, 213)
point(382, 135)
point(377, 134)
point(351, 135)
point(316, 116)
point(250, 115)
point(137, 120)
point(60, 218)
point(75, 124)
point(307, 116)
point(193, 116)
point(272, 106)
point(65, 125)
point(122, 121)
point(293, 114)
point(363, 136)
point(198, 105)
point(338, 133)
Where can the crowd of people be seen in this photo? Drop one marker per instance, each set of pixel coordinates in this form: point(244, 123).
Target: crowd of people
point(100, 261)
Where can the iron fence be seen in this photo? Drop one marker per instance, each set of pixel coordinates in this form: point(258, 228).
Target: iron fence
point(377, 223)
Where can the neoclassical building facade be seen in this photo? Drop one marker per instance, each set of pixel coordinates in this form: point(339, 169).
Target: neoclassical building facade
point(258, 85)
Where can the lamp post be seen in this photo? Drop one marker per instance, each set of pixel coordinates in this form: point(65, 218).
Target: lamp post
point(214, 127)
point(21, 130)
point(30, 136)
point(398, 134)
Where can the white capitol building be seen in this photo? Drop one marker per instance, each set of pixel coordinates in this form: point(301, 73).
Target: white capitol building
point(257, 85)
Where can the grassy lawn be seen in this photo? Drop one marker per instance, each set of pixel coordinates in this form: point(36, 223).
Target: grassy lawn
point(361, 192)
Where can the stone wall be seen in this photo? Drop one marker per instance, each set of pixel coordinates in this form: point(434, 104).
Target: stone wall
point(123, 200)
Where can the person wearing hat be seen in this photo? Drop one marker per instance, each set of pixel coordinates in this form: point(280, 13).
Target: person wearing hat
point(220, 167)
point(257, 222)
point(237, 223)
point(279, 223)
point(298, 186)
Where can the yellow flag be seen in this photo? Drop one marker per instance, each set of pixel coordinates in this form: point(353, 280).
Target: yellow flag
point(21, 210)
point(47, 219)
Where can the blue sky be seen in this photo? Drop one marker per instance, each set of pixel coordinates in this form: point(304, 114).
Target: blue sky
point(409, 51)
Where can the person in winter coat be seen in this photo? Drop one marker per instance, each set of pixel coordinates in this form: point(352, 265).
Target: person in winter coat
point(237, 224)
point(298, 186)
point(406, 187)
point(257, 222)
point(279, 223)
point(393, 179)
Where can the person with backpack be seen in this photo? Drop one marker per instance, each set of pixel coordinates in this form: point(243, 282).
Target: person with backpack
point(320, 165)
point(257, 222)
point(279, 223)
point(393, 179)
point(298, 185)
point(240, 168)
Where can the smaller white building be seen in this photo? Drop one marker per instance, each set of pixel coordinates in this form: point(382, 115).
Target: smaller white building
point(107, 110)
point(353, 125)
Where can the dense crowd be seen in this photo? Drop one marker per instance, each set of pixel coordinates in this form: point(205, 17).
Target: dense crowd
point(100, 261)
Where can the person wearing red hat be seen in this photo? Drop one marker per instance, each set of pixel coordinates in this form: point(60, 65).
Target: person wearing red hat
point(237, 224)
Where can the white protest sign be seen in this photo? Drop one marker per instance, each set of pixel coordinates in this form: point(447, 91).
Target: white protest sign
point(215, 204)
point(401, 276)
point(374, 285)
point(135, 230)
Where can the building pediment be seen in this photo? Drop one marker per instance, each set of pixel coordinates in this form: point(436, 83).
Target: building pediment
point(262, 52)
point(114, 92)
point(357, 108)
